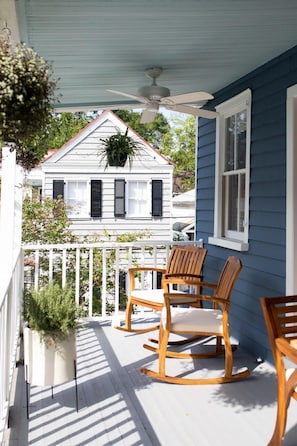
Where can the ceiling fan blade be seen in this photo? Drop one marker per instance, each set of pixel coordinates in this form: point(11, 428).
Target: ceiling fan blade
point(200, 112)
point(132, 96)
point(187, 98)
point(148, 116)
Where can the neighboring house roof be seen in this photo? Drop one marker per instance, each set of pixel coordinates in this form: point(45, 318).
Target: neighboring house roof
point(120, 126)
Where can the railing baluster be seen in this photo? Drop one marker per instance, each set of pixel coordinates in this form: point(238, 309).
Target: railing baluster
point(64, 267)
point(77, 274)
point(36, 275)
point(91, 260)
point(50, 265)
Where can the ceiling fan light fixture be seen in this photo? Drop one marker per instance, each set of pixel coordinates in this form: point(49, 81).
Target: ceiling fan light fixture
point(154, 92)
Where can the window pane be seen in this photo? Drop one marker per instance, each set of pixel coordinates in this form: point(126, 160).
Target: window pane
point(232, 182)
point(137, 198)
point(241, 139)
point(230, 137)
point(77, 197)
point(242, 203)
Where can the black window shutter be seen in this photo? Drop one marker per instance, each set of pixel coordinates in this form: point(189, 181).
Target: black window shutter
point(157, 198)
point(119, 198)
point(96, 198)
point(58, 188)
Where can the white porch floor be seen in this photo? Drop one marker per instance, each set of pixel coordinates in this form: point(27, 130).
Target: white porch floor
point(120, 406)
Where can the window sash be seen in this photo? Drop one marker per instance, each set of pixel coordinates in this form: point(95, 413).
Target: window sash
point(77, 198)
point(137, 203)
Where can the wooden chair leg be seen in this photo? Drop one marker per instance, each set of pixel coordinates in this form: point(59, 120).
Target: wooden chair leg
point(284, 394)
point(128, 323)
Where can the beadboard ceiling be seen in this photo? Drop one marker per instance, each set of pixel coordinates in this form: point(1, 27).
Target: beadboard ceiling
point(95, 45)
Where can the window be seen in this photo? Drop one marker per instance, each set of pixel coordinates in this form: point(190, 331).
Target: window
point(76, 197)
point(58, 189)
point(137, 203)
point(140, 199)
point(231, 220)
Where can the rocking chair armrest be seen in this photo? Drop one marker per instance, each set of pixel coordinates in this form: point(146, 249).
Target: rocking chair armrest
point(216, 301)
point(172, 275)
point(132, 271)
point(208, 285)
point(180, 298)
point(146, 268)
point(284, 346)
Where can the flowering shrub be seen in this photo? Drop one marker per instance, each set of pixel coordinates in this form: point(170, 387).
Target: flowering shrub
point(26, 97)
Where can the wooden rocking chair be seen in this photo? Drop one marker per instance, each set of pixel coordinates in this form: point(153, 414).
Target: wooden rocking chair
point(184, 266)
point(280, 314)
point(211, 322)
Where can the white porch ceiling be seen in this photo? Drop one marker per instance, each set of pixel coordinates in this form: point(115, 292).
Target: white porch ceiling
point(95, 45)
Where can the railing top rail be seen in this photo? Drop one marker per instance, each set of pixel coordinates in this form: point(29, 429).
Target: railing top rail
point(108, 244)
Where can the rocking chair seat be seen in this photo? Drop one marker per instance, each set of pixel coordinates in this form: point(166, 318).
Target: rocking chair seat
point(186, 320)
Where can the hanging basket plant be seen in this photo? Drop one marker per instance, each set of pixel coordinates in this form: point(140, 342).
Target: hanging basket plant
point(118, 148)
point(26, 98)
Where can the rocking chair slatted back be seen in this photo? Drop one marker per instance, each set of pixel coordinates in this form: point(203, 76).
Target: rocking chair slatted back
point(228, 278)
point(184, 267)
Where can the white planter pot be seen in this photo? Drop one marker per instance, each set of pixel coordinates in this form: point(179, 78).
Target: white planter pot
point(47, 364)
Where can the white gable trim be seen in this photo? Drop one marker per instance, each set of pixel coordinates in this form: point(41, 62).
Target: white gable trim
point(96, 123)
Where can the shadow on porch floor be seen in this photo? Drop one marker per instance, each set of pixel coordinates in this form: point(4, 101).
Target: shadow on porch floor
point(120, 406)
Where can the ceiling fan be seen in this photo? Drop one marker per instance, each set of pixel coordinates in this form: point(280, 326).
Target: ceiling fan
point(155, 96)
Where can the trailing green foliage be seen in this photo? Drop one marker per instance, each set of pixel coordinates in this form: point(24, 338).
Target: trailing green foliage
point(52, 311)
point(117, 149)
point(26, 100)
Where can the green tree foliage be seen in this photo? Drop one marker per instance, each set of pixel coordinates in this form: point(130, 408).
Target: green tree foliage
point(46, 222)
point(153, 132)
point(180, 149)
point(63, 126)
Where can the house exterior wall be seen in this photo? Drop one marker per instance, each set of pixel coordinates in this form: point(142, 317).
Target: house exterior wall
point(264, 264)
point(79, 160)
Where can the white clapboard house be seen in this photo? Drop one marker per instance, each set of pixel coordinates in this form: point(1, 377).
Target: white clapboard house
point(115, 200)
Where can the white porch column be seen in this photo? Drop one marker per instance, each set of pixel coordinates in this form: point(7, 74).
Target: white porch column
point(10, 215)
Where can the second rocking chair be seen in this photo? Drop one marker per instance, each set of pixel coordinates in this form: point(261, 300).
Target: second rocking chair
point(210, 322)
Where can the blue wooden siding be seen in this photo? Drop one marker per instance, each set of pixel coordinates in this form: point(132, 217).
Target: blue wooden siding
point(264, 268)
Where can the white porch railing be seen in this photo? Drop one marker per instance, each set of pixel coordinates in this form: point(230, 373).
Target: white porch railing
point(96, 271)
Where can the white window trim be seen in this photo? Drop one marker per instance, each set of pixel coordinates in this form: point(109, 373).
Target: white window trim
point(226, 109)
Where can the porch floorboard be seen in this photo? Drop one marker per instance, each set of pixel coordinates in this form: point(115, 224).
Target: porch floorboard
point(120, 406)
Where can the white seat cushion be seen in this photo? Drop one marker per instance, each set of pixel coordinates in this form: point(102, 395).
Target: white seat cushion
point(156, 295)
point(194, 319)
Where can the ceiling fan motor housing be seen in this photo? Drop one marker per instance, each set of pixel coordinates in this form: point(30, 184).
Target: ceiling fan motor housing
point(154, 92)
